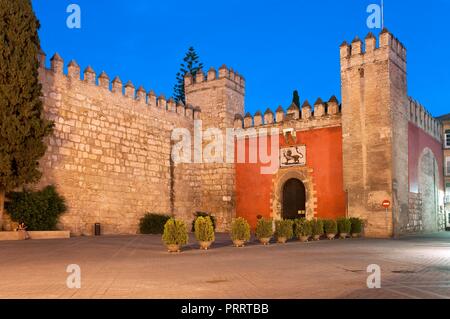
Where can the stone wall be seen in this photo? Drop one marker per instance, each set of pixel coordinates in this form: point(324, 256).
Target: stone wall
point(414, 219)
point(418, 215)
point(109, 155)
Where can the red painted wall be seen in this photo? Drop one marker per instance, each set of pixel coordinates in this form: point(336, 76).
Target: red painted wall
point(418, 140)
point(323, 154)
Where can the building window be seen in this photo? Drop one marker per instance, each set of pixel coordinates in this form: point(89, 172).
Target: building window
point(447, 166)
point(447, 138)
point(447, 194)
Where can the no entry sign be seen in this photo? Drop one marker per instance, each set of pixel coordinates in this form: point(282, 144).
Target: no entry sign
point(386, 204)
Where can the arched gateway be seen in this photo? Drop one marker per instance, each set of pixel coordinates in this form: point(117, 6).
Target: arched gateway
point(429, 189)
point(294, 199)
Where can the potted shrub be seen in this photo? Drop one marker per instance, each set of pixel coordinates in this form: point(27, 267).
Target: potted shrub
point(344, 227)
point(240, 232)
point(264, 230)
point(175, 235)
point(303, 229)
point(330, 227)
point(284, 230)
point(356, 227)
point(204, 232)
point(317, 228)
point(203, 214)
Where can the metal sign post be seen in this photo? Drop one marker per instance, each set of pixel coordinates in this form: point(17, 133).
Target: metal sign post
point(386, 204)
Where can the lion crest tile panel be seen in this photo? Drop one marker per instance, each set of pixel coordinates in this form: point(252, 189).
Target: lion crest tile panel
point(293, 155)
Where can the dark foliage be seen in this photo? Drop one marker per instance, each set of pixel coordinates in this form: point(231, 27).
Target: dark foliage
point(153, 223)
point(190, 65)
point(38, 210)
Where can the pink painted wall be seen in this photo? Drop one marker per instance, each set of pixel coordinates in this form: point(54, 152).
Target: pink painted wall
point(418, 140)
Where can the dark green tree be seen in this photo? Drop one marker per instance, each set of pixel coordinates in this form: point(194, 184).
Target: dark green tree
point(22, 126)
point(191, 64)
point(296, 98)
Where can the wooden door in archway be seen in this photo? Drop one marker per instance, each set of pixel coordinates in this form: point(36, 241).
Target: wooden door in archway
point(294, 199)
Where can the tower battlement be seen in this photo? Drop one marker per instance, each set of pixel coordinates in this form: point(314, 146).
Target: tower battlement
point(201, 80)
point(115, 87)
point(421, 117)
point(386, 45)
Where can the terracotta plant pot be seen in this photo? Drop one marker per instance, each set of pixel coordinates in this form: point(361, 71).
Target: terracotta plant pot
point(204, 245)
point(264, 241)
point(343, 235)
point(355, 235)
point(304, 239)
point(239, 243)
point(331, 236)
point(173, 248)
point(316, 237)
point(22, 234)
point(281, 240)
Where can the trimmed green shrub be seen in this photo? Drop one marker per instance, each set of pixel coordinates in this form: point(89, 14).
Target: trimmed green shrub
point(330, 226)
point(39, 210)
point(264, 228)
point(175, 233)
point(302, 228)
point(153, 223)
point(240, 229)
point(344, 225)
point(202, 214)
point(204, 230)
point(357, 225)
point(284, 228)
point(317, 227)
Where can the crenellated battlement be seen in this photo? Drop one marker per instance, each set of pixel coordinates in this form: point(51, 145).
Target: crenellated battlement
point(383, 47)
point(294, 114)
point(420, 116)
point(115, 87)
point(201, 80)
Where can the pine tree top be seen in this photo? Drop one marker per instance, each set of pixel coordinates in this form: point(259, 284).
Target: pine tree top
point(190, 67)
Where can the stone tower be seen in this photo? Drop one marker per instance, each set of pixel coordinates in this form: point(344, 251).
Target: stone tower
point(375, 131)
point(220, 97)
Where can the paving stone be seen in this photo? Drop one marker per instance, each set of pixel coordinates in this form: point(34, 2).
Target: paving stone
point(140, 267)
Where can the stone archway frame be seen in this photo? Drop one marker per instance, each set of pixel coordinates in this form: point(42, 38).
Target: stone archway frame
point(303, 174)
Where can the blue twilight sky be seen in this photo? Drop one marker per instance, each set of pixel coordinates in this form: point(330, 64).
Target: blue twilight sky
point(277, 45)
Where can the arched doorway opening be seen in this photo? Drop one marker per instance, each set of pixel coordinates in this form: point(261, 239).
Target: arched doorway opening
point(429, 189)
point(294, 199)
